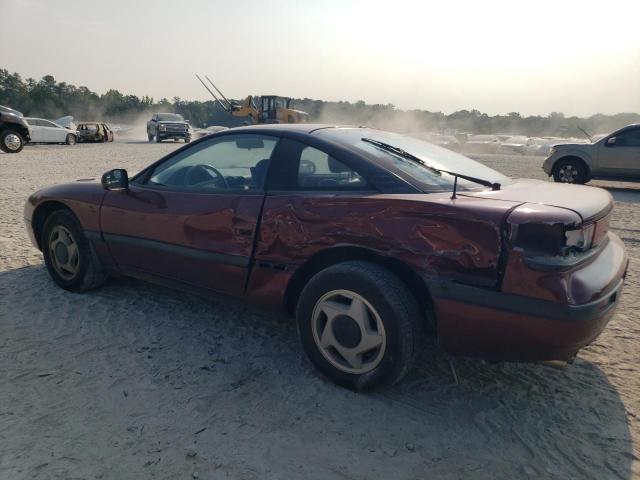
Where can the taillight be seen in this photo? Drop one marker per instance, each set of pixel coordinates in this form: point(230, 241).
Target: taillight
point(580, 238)
point(553, 239)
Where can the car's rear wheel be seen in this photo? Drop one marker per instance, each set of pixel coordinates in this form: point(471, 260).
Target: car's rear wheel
point(71, 139)
point(68, 255)
point(570, 170)
point(359, 325)
point(11, 141)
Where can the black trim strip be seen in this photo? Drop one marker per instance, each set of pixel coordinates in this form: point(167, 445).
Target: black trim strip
point(93, 236)
point(235, 260)
point(525, 305)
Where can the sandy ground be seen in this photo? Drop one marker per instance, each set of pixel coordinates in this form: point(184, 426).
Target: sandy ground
point(138, 381)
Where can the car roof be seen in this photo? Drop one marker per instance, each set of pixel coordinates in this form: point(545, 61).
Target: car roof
point(290, 127)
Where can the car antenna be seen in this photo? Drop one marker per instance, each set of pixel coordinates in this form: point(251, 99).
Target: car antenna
point(584, 131)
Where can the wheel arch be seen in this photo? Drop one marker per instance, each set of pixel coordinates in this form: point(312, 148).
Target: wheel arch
point(579, 156)
point(335, 255)
point(40, 215)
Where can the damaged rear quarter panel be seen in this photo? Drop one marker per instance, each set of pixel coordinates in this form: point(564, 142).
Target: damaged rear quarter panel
point(520, 279)
point(437, 237)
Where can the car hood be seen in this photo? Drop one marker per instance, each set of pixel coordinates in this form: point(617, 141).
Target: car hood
point(571, 145)
point(588, 202)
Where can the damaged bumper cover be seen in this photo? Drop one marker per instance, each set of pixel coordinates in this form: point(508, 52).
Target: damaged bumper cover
point(511, 326)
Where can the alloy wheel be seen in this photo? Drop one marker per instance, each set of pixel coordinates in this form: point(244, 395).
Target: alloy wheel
point(12, 142)
point(64, 253)
point(348, 331)
point(568, 173)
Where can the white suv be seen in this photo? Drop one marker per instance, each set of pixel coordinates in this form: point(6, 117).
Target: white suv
point(616, 156)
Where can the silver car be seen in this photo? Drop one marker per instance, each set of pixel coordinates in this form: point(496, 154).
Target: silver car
point(615, 156)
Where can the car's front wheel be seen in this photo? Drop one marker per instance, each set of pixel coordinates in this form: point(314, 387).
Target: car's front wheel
point(359, 325)
point(68, 255)
point(11, 141)
point(71, 139)
point(570, 170)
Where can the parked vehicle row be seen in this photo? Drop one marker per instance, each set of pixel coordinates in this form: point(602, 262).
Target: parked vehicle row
point(372, 240)
point(16, 130)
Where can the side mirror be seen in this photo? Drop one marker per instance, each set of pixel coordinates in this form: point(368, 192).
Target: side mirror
point(116, 179)
point(611, 141)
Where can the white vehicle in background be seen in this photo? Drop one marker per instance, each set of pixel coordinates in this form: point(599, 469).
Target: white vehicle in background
point(445, 141)
point(45, 131)
point(66, 122)
point(514, 145)
point(616, 156)
point(481, 144)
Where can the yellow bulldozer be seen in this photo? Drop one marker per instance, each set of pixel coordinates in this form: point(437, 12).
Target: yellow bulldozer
point(260, 109)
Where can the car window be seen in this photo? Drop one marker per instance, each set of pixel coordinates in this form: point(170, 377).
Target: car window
point(319, 171)
point(47, 123)
point(34, 122)
point(630, 138)
point(229, 163)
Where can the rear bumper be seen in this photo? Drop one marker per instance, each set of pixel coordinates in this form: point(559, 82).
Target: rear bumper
point(506, 326)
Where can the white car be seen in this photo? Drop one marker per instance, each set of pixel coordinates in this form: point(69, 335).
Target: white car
point(45, 131)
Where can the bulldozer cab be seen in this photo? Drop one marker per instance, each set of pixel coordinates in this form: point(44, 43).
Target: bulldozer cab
point(271, 106)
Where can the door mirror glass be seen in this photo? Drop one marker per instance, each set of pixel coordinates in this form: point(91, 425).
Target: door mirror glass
point(611, 141)
point(116, 179)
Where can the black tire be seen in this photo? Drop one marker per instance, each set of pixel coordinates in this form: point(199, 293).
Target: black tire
point(570, 170)
point(90, 273)
point(11, 141)
point(158, 137)
point(187, 139)
point(71, 139)
point(398, 311)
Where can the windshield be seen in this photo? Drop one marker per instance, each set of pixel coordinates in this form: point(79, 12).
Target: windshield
point(170, 117)
point(432, 155)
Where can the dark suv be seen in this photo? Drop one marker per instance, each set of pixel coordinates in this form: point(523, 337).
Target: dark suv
point(14, 130)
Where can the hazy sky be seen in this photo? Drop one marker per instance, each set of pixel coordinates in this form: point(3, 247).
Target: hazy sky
point(578, 57)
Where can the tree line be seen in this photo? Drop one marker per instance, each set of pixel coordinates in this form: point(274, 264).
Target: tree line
point(48, 98)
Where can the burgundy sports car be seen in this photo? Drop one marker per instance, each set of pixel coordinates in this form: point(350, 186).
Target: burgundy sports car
point(375, 241)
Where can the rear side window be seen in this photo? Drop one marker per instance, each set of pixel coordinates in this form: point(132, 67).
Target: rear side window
point(317, 170)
